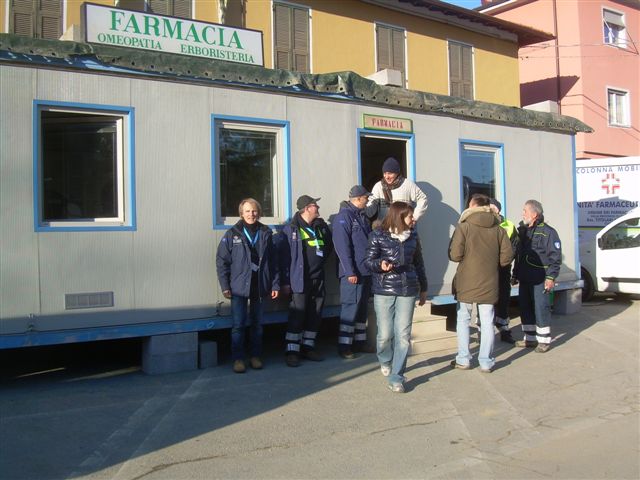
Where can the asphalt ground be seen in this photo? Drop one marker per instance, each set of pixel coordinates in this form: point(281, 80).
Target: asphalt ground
point(87, 411)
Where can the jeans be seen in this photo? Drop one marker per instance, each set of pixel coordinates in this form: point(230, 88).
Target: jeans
point(353, 312)
point(394, 316)
point(240, 323)
point(485, 311)
point(535, 312)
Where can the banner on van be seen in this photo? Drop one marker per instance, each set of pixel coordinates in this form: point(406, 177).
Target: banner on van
point(606, 189)
point(146, 31)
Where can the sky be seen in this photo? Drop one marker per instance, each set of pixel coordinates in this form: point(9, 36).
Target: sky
point(465, 3)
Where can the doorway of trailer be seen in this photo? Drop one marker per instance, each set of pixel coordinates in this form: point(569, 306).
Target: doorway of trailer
point(374, 148)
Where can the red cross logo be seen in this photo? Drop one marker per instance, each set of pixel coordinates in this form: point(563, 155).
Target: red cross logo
point(610, 183)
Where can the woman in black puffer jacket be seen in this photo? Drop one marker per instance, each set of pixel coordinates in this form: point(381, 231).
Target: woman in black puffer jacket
point(394, 256)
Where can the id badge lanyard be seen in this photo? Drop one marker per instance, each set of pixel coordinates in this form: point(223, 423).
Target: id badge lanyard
point(253, 242)
point(319, 252)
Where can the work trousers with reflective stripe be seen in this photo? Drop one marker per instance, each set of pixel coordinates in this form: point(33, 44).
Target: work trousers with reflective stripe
point(535, 312)
point(504, 297)
point(354, 298)
point(305, 314)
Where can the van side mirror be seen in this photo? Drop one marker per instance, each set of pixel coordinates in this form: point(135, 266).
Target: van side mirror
point(600, 243)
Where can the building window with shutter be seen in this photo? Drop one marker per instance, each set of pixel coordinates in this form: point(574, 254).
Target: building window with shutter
point(291, 38)
point(250, 159)
point(460, 70)
point(84, 167)
point(618, 108)
point(36, 18)
point(615, 32)
point(231, 12)
point(174, 8)
point(137, 5)
point(390, 43)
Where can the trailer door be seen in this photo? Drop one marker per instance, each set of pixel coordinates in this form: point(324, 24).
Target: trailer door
point(374, 150)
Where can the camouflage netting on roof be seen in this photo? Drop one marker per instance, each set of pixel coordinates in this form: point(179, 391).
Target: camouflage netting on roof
point(347, 85)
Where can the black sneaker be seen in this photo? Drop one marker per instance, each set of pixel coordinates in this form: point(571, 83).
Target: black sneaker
point(505, 336)
point(312, 355)
point(347, 354)
point(292, 359)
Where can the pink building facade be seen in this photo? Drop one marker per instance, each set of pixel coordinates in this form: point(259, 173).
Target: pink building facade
point(591, 71)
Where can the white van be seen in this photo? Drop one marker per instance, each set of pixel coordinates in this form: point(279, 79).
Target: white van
point(607, 188)
point(618, 255)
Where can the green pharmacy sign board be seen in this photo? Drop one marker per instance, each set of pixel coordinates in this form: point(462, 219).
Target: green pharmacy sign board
point(142, 30)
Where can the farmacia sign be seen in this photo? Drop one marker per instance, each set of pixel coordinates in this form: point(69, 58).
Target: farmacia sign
point(126, 28)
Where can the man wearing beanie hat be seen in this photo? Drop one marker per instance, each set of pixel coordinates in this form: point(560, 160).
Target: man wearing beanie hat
point(351, 231)
point(501, 319)
point(395, 188)
point(303, 246)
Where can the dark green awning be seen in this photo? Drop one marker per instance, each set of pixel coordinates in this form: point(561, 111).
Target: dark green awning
point(344, 85)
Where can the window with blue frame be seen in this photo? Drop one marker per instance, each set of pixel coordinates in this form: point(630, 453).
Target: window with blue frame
point(479, 170)
point(84, 168)
point(250, 162)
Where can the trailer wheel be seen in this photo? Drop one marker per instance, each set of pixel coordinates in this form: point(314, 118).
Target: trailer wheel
point(588, 289)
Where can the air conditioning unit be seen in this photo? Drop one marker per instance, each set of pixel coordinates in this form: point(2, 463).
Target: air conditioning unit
point(387, 76)
point(547, 106)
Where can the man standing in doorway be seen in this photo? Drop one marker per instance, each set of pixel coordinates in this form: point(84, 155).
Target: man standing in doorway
point(351, 231)
point(395, 188)
point(481, 247)
point(538, 260)
point(304, 251)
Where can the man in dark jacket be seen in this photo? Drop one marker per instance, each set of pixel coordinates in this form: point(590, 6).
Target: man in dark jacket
point(304, 250)
point(247, 271)
point(481, 247)
point(537, 265)
point(504, 289)
point(351, 236)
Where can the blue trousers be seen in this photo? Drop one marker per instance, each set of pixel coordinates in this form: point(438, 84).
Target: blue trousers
point(240, 323)
point(394, 315)
point(485, 312)
point(535, 312)
point(353, 313)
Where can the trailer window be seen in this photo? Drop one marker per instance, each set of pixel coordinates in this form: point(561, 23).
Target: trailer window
point(480, 167)
point(249, 162)
point(83, 169)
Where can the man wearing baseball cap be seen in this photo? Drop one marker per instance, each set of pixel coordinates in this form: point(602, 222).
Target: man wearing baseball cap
point(351, 231)
point(303, 253)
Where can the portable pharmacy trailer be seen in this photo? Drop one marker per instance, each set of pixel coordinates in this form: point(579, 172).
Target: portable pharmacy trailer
point(121, 170)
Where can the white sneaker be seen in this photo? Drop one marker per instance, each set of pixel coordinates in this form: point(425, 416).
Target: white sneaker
point(396, 387)
point(385, 369)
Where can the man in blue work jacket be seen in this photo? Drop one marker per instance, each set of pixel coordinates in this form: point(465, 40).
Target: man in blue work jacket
point(303, 253)
point(537, 265)
point(351, 231)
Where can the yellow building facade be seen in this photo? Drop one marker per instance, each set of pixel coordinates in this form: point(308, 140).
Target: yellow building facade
point(427, 38)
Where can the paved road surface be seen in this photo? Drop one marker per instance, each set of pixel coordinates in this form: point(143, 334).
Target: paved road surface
point(569, 413)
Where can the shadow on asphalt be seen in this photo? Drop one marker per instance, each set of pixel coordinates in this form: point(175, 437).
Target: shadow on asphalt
point(93, 391)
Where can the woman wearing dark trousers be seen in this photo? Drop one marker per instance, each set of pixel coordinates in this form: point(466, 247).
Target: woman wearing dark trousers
point(394, 257)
